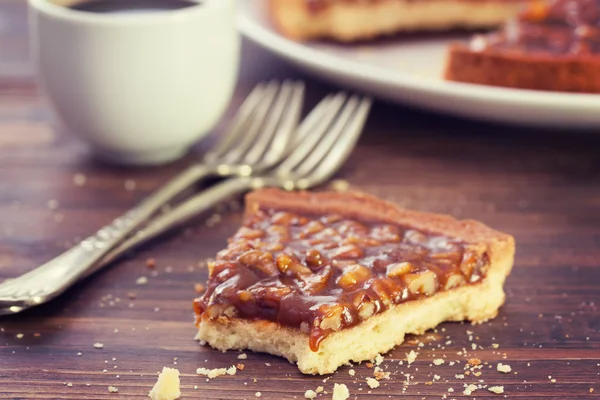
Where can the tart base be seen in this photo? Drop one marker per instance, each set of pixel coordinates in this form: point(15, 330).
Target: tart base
point(352, 21)
point(477, 302)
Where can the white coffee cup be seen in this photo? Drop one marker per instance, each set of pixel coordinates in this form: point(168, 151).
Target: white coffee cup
point(141, 88)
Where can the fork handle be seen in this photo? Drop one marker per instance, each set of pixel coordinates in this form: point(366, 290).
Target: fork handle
point(195, 205)
point(53, 277)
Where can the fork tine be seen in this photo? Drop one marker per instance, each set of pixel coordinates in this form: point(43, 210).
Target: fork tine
point(327, 140)
point(248, 136)
point(239, 121)
point(287, 127)
point(276, 127)
point(311, 131)
point(342, 148)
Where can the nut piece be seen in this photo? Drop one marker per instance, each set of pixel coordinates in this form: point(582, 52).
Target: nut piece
point(396, 270)
point(353, 275)
point(332, 317)
point(348, 251)
point(454, 280)
point(423, 283)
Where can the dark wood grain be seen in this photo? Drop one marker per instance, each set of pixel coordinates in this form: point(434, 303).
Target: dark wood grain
point(543, 187)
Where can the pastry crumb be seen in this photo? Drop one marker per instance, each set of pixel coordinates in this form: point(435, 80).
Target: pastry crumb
point(411, 357)
point(142, 280)
point(112, 389)
point(438, 361)
point(98, 345)
point(496, 389)
point(469, 389)
point(257, 394)
point(310, 394)
point(340, 392)
point(504, 368)
point(242, 356)
point(351, 372)
point(167, 387)
point(378, 359)
point(373, 383)
point(340, 185)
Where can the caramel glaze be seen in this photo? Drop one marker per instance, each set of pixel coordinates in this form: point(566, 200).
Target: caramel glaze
point(325, 273)
point(559, 27)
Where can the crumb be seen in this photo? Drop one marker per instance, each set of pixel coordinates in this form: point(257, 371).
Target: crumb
point(151, 263)
point(240, 367)
point(411, 357)
point(495, 345)
point(112, 389)
point(496, 389)
point(438, 361)
point(459, 376)
point(553, 380)
point(340, 392)
point(450, 390)
point(213, 373)
point(379, 375)
point(130, 185)
point(470, 389)
point(591, 390)
point(373, 383)
point(69, 384)
point(142, 280)
point(310, 394)
point(79, 354)
point(167, 387)
point(98, 345)
point(378, 359)
point(53, 204)
point(199, 288)
point(116, 330)
point(351, 372)
point(474, 361)
point(258, 394)
point(19, 336)
point(339, 185)
point(319, 389)
point(369, 365)
point(79, 179)
point(503, 368)
point(242, 356)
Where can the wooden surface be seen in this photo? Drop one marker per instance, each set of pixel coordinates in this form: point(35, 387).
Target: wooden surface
point(542, 187)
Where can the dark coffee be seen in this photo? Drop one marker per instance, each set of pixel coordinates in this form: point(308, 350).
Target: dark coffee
point(131, 6)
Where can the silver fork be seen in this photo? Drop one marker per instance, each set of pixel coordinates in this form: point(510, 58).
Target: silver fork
point(257, 139)
point(329, 134)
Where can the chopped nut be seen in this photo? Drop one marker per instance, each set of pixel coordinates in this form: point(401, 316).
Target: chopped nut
point(397, 270)
point(496, 389)
point(240, 367)
point(423, 283)
point(474, 361)
point(373, 383)
point(151, 263)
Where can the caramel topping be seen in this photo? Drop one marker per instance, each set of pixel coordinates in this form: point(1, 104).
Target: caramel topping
point(558, 27)
point(322, 274)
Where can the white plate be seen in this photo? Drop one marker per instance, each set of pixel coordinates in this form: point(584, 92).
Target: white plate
point(408, 71)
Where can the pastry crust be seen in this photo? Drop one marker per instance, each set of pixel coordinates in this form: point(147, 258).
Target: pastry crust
point(567, 73)
point(348, 21)
point(380, 333)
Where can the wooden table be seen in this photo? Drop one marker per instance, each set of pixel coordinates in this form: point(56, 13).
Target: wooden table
point(542, 187)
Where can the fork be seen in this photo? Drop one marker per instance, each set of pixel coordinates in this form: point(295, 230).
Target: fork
point(257, 139)
point(329, 134)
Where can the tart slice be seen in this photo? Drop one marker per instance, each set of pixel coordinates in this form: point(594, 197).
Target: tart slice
point(325, 278)
point(352, 20)
point(551, 46)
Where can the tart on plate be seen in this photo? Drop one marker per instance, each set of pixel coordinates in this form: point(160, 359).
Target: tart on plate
point(325, 278)
point(352, 20)
point(550, 46)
